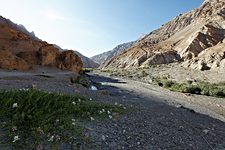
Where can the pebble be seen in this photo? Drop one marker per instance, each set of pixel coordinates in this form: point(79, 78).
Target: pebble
point(205, 131)
point(103, 138)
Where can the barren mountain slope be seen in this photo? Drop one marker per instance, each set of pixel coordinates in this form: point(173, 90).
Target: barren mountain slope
point(181, 39)
point(101, 58)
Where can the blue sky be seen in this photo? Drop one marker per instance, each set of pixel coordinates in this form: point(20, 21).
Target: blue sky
point(93, 26)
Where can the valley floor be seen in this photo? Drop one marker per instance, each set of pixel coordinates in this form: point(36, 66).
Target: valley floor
point(163, 119)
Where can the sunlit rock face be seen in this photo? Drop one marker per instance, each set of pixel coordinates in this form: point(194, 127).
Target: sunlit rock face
point(195, 39)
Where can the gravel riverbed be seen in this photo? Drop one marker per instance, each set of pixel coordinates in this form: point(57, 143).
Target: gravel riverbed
point(157, 123)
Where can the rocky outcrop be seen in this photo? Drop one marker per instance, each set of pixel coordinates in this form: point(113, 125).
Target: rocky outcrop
point(192, 37)
point(162, 58)
point(208, 36)
point(211, 58)
point(67, 60)
point(87, 62)
point(47, 55)
point(20, 51)
point(12, 62)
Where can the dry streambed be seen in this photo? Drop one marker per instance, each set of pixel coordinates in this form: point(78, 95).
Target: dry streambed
point(154, 124)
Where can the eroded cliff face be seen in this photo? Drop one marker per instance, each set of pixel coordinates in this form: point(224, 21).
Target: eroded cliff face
point(12, 62)
point(185, 39)
point(20, 51)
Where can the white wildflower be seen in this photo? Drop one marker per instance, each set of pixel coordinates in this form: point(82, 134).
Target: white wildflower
point(73, 123)
point(51, 139)
point(79, 100)
point(74, 103)
point(100, 112)
point(124, 108)
point(92, 119)
point(15, 105)
point(108, 112)
point(16, 138)
point(90, 99)
point(23, 89)
point(110, 117)
point(103, 110)
point(116, 103)
point(73, 120)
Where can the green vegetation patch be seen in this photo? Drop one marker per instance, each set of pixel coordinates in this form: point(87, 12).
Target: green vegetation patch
point(87, 70)
point(201, 88)
point(31, 119)
point(82, 80)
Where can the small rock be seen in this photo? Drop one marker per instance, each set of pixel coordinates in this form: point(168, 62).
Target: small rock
point(124, 131)
point(103, 138)
point(205, 131)
point(94, 88)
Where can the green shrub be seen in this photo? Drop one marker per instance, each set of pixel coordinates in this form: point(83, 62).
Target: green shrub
point(163, 82)
point(168, 83)
point(82, 80)
point(203, 88)
point(87, 70)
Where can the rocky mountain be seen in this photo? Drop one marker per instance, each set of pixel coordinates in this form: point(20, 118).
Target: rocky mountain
point(18, 27)
point(196, 39)
point(22, 50)
point(101, 58)
point(87, 62)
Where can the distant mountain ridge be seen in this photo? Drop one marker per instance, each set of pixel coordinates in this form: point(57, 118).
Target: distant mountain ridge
point(196, 39)
point(101, 58)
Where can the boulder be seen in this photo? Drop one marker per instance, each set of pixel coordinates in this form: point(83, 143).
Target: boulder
point(67, 60)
